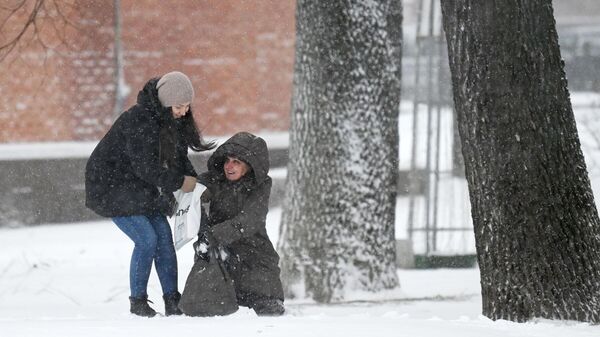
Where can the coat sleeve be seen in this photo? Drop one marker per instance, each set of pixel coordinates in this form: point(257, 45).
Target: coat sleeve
point(206, 179)
point(142, 145)
point(249, 221)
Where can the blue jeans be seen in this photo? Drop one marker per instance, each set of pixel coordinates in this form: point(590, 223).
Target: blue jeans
point(153, 242)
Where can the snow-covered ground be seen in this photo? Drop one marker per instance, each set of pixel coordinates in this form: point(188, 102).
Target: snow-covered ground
point(72, 280)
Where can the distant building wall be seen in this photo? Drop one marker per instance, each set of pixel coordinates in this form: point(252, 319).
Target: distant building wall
point(52, 190)
point(239, 55)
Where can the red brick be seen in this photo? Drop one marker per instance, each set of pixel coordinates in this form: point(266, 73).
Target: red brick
point(239, 55)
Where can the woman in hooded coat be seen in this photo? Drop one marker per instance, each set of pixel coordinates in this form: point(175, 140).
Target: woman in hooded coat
point(238, 190)
point(131, 176)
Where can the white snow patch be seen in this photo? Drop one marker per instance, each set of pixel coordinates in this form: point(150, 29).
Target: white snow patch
point(72, 280)
point(585, 99)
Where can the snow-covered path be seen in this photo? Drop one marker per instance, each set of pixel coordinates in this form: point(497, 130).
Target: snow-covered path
point(72, 280)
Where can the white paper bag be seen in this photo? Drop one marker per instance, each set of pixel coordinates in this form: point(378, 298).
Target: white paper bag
point(186, 221)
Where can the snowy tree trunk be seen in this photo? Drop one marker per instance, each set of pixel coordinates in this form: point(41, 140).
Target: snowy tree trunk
point(337, 231)
point(536, 224)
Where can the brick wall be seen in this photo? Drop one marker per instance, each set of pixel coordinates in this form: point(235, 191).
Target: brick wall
point(239, 55)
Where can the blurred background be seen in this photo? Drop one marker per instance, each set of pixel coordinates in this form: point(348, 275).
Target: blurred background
point(69, 70)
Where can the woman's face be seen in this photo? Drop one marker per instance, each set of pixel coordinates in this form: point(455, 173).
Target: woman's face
point(179, 111)
point(235, 169)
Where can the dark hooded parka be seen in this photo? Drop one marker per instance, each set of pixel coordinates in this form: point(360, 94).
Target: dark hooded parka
point(237, 216)
point(141, 153)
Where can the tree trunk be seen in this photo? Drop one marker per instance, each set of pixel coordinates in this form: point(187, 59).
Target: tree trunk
point(535, 221)
point(337, 231)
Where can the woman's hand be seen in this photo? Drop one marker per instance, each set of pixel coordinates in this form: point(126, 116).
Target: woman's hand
point(189, 183)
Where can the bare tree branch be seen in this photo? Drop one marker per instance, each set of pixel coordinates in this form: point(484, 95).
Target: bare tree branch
point(11, 11)
point(6, 48)
point(40, 18)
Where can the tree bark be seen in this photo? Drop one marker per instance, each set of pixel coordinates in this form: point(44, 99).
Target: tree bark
point(337, 230)
point(535, 221)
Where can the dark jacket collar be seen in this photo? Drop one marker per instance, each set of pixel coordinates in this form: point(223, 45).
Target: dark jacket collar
point(148, 99)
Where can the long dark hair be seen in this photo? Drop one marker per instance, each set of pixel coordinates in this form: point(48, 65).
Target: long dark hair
point(186, 124)
point(192, 135)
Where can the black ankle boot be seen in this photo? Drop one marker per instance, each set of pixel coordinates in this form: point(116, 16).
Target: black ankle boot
point(268, 307)
point(172, 304)
point(140, 307)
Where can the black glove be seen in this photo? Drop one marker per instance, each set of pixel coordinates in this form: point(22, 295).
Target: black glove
point(167, 204)
point(201, 248)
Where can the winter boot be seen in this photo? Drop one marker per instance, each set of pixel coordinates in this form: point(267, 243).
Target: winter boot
point(172, 304)
point(268, 307)
point(140, 307)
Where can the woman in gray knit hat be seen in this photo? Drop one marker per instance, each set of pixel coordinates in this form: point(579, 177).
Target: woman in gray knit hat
point(132, 174)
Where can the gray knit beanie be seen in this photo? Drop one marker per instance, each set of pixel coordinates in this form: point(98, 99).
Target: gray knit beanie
point(175, 88)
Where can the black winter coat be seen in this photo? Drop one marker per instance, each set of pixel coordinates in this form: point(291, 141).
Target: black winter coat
point(237, 217)
point(124, 173)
